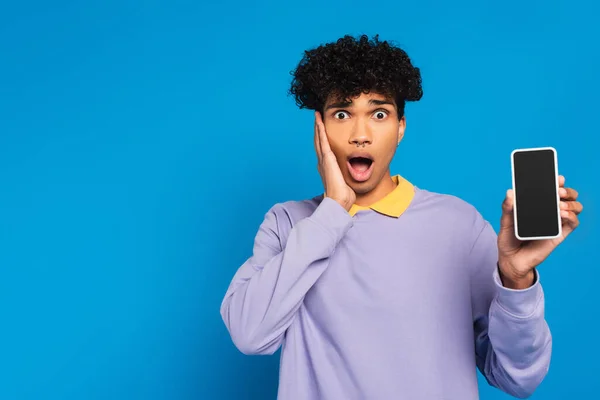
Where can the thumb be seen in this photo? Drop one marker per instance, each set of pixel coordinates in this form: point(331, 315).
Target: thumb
point(507, 220)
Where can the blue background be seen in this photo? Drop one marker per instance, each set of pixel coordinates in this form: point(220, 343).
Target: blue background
point(142, 143)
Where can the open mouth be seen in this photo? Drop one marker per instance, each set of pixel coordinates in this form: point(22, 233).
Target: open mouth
point(360, 166)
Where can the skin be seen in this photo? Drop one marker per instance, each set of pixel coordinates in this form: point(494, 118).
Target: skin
point(517, 259)
point(373, 119)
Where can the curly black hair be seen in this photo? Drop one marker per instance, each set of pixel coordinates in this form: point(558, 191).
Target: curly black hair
point(351, 66)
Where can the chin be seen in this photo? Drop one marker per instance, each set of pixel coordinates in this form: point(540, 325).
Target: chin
point(362, 187)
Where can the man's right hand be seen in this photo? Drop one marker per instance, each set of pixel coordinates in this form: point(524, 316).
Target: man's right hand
point(331, 175)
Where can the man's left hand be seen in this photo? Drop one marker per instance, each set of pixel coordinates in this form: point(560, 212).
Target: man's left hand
point(518, 259)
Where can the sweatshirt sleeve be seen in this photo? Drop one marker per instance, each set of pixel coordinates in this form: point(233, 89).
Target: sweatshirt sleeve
point(268, 289)
point(513, 343)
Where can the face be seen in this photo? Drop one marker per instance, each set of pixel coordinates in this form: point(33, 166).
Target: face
point(364, 135)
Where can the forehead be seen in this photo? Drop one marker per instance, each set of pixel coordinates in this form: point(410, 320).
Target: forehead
point(362, 100)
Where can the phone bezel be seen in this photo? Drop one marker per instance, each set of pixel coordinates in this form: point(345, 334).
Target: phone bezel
point(515, 208)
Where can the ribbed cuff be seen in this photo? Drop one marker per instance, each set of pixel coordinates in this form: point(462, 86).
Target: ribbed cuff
point(521, 303)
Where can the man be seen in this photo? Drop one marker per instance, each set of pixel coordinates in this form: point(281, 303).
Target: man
point(379, 289)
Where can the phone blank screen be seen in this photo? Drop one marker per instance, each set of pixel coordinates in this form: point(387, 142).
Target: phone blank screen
point(535, 193)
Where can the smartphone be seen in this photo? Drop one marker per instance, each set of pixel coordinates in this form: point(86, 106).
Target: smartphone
point(536, 197)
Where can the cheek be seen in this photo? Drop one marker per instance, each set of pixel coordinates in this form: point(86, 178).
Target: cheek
point(338, 142)
point(384, 158)
point(339, 152)
point(387, 144)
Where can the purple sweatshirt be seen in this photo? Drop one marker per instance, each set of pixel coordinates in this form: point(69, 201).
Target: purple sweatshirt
point(370, 306)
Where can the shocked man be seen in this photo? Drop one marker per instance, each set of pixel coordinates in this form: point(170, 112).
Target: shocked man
point(378, 289)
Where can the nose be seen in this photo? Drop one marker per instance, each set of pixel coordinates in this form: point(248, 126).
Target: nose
point(360, 136)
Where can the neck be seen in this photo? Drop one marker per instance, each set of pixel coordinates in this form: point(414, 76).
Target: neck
point(383, 188)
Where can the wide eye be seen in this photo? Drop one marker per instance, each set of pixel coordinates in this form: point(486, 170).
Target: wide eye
point(341, 115)
point(380, 114)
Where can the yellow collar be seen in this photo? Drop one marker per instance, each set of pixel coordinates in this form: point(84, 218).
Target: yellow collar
point(395, 203)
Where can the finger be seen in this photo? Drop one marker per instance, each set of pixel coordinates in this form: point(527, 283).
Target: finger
point(507, 221)
point(561, 181)
point(573, 206)
point(508, 204)
point(568, 194)
point(570, 221)
point(325, 149)
point(317, 141)
point(318, 122)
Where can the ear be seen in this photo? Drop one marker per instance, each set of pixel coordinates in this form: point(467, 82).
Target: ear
point(401, 128)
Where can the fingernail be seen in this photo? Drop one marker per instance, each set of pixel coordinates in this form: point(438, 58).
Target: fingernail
point(563, 205)
point(564, 214)
point(563, 192)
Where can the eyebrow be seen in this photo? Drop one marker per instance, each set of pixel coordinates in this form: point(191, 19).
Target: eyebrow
point(344, 104)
